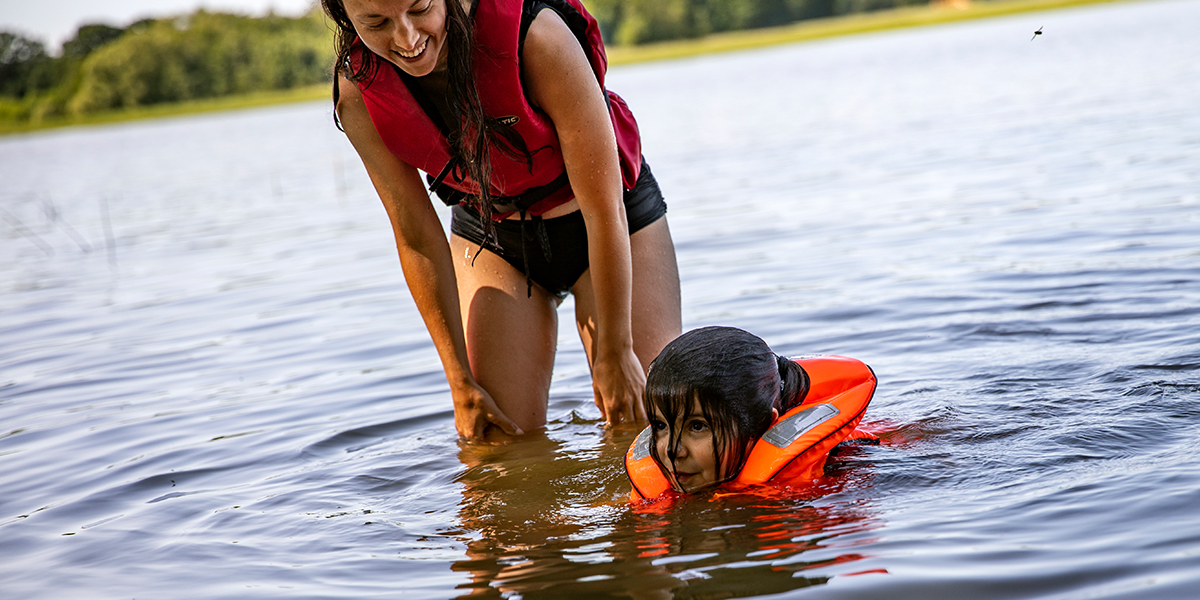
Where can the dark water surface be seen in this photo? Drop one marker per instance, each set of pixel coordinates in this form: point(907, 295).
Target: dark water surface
point(213, 383)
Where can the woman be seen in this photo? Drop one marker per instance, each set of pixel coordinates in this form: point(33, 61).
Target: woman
point(510, 94)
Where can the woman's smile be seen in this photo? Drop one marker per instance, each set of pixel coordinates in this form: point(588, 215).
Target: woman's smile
point(410, 34)
point(415, 54)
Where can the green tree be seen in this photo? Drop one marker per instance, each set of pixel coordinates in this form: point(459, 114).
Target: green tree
point(643, 21)
point(24, 65)
point(204, 55)
point(841, 7)
point(88, 38)
point(608, 14)
point(654, 20)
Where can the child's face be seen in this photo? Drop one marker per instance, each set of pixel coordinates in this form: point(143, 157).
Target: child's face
point(695, 464)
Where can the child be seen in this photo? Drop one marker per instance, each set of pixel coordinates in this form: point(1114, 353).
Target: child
point(715, 396)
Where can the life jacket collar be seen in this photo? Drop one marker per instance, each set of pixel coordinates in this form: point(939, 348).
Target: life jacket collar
point(794, 449)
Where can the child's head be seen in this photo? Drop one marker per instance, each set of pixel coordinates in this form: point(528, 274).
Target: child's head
point(710, 394)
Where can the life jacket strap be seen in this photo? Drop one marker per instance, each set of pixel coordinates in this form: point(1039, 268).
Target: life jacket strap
point(517, 203)
point(543, 240)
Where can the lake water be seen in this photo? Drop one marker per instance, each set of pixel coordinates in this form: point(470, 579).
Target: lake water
point(213, 383)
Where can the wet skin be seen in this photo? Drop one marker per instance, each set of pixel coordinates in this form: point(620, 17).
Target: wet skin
point(694, 464)
point(496, 341)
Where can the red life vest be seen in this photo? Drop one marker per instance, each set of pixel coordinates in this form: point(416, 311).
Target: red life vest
point(794, 449)
point(408, 123)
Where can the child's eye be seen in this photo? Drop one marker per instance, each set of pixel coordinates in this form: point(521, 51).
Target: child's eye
point(417, 10)
point(657, 425)
point(697, 425)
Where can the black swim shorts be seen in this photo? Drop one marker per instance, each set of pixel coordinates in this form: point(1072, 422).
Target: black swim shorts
point(557, 264)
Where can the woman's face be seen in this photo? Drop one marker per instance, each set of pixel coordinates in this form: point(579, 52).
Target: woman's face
point(695, 464)
point(411, 34)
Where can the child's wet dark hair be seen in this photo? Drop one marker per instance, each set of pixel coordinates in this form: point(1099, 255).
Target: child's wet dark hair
point(735, 378)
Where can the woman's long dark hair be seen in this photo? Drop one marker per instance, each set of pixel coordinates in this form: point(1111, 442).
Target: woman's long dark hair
point(736, 380)
point(469, 141)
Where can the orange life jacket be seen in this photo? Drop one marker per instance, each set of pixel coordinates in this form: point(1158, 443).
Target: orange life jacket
point(794, 449)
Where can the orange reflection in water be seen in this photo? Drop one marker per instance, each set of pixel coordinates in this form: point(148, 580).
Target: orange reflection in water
point(545, 519)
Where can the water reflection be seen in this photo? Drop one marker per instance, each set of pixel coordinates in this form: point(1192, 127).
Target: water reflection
point(546, 518)
point(1004, 230)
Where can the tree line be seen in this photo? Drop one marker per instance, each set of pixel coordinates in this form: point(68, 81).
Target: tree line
point(153, 61)
point(627, 22)
point(206, 54)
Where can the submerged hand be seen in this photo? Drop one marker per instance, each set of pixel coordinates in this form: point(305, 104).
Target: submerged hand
point(618, 383)
point(474, 410)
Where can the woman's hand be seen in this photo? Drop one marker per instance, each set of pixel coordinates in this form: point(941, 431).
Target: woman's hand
point(561, 82)
point(474, 410)
point(618, 383)
point(428, 267)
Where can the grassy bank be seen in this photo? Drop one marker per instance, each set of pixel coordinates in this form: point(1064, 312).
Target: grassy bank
point(175, 109)
point(816, 29)
point(724, 42)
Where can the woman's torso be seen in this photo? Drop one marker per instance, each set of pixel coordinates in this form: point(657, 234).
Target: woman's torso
point(410, 113)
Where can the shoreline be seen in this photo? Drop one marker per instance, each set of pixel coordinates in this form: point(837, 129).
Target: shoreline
point(746, 39)
point(949, 11)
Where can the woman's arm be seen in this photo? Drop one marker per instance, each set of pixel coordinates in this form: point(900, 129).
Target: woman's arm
point(426, 261)
point(561, 82)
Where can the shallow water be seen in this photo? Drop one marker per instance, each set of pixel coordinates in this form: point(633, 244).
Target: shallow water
point(213, 383)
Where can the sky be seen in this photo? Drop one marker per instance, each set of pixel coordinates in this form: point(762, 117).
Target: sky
point(55, 21)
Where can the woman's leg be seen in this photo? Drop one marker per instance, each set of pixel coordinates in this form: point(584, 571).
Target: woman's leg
point(511, 338)
point(655, 308)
